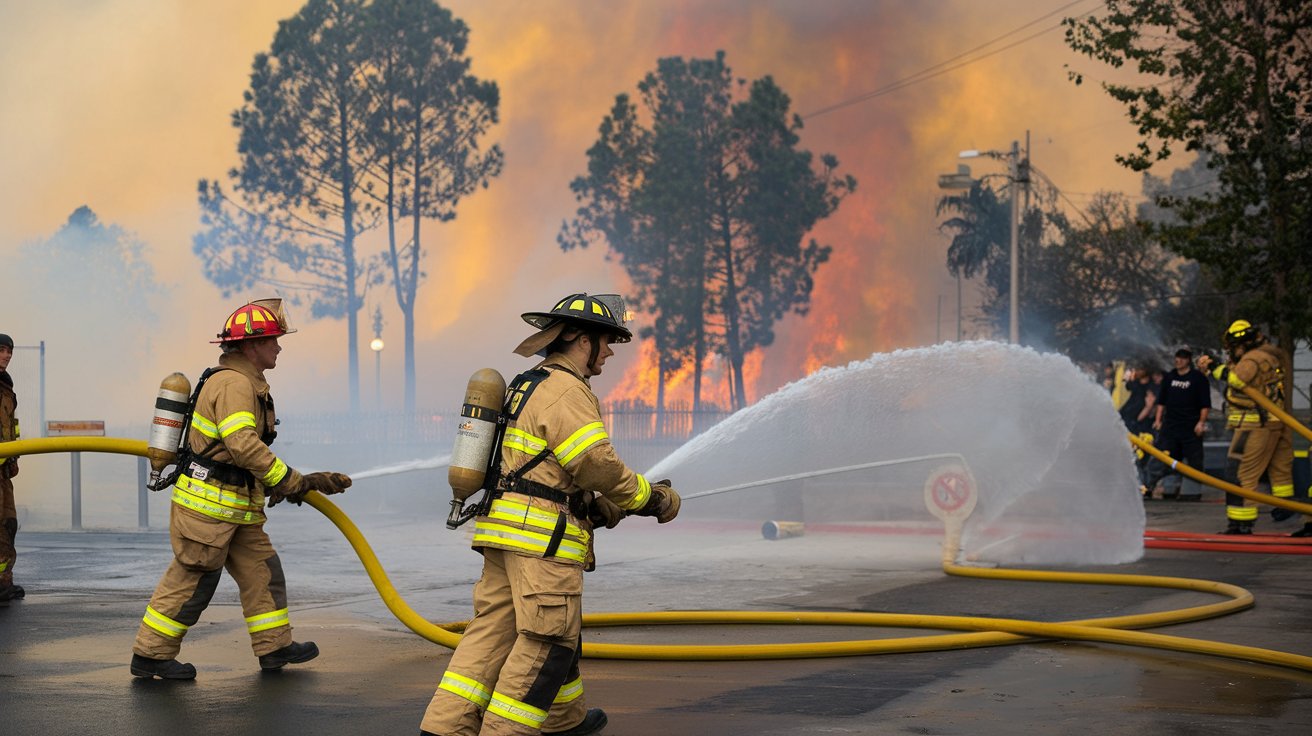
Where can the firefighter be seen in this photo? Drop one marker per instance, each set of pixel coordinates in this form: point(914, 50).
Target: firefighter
point(1261, 443)
point(216, 521)
point(516, 669)
point(8, 469)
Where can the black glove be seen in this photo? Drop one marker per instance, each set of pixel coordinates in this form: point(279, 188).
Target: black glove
point(663, 504)
point(10, 468)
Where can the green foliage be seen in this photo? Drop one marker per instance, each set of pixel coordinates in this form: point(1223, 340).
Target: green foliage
point(1230, 80)
point(706, 202)
point(360, 115)
point(425, 135)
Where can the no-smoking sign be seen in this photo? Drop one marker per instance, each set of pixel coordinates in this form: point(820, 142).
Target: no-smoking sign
point(950, 492)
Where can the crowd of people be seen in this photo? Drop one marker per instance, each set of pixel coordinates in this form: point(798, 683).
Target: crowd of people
point(1171, 409)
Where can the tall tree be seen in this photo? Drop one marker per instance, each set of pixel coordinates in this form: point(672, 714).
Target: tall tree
point(1231, 79)
point(295, 208)
point(1094, 293)
point(707, 206)
point(430, 118)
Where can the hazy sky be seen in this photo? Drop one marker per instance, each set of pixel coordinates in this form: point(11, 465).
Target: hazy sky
point(123, 105)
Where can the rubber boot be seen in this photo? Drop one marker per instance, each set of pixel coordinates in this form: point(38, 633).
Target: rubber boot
point(12, 593)
point(592, 723)
point(1238, 527)
point(1279, 513)
point(165, 669)
point(1306, 531)
point(293, 653)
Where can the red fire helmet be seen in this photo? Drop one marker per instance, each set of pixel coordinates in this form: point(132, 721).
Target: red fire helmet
point(260, 318)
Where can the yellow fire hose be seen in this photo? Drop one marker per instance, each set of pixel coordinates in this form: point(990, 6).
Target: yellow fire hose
point(986, 631)
point(1226, 486)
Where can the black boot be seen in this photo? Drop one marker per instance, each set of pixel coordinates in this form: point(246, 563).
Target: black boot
point(1279, 513)
point(12, 593)
point(1238, 527)
point(293, 653)
point(1306, 531)
point(593, 722)
point(165, 669)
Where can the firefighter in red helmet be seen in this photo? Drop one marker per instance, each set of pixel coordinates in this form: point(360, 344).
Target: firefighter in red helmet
point(516, 668)
point(226, 473)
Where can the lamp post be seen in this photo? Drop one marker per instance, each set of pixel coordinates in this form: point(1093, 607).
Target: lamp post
point(1014, 166)
point(376, 345)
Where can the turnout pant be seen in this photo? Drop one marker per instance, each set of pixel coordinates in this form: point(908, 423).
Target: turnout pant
point(1255, 451)
point(202, 548)
point(515, 672)
point(8, 530)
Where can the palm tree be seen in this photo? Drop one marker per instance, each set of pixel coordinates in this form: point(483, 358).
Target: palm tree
point(980, 229)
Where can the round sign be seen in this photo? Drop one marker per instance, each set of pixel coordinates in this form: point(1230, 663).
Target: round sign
point(950, 492)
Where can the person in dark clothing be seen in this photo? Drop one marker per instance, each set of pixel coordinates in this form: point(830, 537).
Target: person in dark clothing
point(1136, 412)
point(1183, 403)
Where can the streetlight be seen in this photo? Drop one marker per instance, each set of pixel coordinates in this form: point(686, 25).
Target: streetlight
point(1014, 174)
point(376, 345)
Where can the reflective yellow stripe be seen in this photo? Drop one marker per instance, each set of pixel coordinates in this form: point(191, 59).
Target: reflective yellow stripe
point(266, 621)
point(1283, 490)
point(1234, 380)
point(518, 439)
point(4, 566)
point(204, 426)
point(486, 532)
point(569, 691)
point(531, 516)
point(236, 421)
point(163, 624)
point(216, 503)
point(1250, 416)
point(275, 473)
point(1241, 513)
point(469, 689)
point(517, 711)
point(209, 492)
point(640, 498)
point(587, 436)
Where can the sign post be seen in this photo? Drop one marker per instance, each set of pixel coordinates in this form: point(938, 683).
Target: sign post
point(950, 495)
point(77, 428)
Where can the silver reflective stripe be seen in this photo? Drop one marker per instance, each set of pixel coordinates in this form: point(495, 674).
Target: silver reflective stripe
point(467, 688)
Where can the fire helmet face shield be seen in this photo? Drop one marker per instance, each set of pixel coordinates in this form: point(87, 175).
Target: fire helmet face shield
point(260, 318)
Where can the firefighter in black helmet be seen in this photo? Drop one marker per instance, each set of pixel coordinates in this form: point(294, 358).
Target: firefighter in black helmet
point(516, 668)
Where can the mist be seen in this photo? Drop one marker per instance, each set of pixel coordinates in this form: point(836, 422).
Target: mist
point(1055, 477)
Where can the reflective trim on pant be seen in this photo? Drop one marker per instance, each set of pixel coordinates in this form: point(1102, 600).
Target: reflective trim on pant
point(517, 711)
point(467, 688)
point(266, 621)
point(569, 691)
point(163, 624)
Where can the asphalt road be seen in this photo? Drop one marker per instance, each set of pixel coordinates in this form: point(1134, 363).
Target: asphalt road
point(64, 650)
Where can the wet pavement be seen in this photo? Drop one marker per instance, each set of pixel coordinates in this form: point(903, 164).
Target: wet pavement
point(64, 650)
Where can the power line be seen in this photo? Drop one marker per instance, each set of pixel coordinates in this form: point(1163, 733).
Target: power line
point(943, 66)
